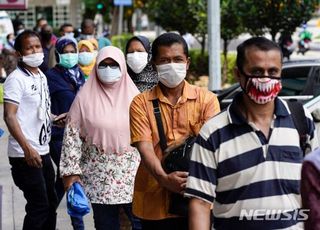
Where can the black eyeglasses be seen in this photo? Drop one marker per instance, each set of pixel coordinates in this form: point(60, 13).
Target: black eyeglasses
point(104, 65)
point(260, 76)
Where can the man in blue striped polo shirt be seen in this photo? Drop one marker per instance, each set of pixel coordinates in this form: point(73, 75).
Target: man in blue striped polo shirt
point(247, 159)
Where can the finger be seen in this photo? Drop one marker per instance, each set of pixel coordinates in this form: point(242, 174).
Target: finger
point(66, 185)
point(29, 163)
point(182, 174)
point(39, 161)
point(183, 185)
point(183, 180)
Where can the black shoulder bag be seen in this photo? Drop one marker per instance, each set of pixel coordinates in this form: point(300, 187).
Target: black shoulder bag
point(175, 158)
point(300, 122)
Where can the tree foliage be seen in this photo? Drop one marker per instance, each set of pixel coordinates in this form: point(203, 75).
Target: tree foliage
point(231, 27)
point(180, 15)
point(91, 9)
point(273, 16)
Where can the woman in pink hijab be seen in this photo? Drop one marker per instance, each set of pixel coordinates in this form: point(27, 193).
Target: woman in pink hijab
point(96, 146)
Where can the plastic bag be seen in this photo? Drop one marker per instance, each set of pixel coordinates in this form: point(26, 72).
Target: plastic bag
point(77, 201)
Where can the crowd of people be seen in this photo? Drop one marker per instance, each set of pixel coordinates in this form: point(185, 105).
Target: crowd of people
point(94, 111)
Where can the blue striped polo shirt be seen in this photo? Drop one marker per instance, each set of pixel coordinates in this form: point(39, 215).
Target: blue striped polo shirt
point(253, 182)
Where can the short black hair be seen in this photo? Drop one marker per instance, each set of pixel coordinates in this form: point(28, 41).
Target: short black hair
point(8, 36)
point(64, 25)
point(87, 22)
point(261, 43)
point(25, 34)
point(168, 39)
point(41, 19)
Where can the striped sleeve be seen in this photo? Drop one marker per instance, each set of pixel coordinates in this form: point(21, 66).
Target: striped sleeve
point(202, 179)
point(13, 89)
point(312, 133)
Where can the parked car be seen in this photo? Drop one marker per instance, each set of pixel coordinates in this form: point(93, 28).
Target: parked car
point(300, 81)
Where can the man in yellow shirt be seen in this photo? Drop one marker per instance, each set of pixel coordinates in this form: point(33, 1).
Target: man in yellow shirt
point(184, 109)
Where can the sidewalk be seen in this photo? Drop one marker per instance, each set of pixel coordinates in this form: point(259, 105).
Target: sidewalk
point(13, 202)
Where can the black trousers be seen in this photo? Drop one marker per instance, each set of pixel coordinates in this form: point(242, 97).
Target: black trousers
point(165, 224)
point(37, 185)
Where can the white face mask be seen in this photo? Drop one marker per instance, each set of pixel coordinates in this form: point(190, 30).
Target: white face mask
point(109, 75)
point(69, 35)
point(172, 74)
point(85, 58)
point(33, 60)
point(20, 31)
point(86, 36)
point(137, 61)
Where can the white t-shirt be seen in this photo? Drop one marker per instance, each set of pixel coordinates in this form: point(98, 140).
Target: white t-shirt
point(31, 94)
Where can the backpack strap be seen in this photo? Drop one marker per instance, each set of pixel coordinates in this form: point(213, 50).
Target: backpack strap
point(300, 122)
point(157, 114)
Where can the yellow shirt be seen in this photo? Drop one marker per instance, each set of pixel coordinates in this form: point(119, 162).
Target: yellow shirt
point(194, 107)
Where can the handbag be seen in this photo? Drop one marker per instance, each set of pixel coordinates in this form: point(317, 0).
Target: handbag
point(77, 202)
point(176, 158)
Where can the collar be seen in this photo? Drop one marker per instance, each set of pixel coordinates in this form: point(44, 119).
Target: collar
point(24, 70)
point(188, 92)
point(235, 116)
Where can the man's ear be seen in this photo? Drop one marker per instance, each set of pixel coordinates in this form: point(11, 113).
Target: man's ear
point(237, 74)
point(154, 66)
point(18, 55)
point(188, 62)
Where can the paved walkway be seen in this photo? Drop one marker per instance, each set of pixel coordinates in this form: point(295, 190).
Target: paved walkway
point(13, 202)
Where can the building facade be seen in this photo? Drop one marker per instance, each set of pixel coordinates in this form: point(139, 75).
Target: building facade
point(56, 12)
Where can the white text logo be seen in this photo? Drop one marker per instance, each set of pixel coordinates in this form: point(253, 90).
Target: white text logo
point(274, 214)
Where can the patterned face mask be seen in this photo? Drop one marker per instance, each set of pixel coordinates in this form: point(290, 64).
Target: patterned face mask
point(262, 89)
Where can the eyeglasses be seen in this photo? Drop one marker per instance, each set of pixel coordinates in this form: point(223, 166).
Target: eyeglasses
point(260, 76)
point(104, 65)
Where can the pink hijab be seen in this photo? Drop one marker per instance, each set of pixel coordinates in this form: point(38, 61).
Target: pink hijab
point(101, 111)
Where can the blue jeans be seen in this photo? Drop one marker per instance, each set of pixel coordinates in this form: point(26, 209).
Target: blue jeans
point(37, 185)
point(55, 152)
point(107, 216)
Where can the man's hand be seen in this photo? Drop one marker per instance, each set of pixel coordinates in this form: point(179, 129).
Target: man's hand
point(69, 180)
point(60, 120)
point(175, 181)
point(32, 157)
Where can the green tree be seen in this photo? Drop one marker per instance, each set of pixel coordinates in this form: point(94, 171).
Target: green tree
point(273, 16)
point(95, 6)
point(191, 16)
point(231, 27)
point(180, 15)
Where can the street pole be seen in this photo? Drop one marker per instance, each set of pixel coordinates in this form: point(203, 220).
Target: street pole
point(120, 19)
point(214, 44)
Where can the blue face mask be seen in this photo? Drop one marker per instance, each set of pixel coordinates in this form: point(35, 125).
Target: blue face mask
point(85, 58)
point(68, 60)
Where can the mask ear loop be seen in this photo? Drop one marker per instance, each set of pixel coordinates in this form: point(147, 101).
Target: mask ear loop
point(246, 90)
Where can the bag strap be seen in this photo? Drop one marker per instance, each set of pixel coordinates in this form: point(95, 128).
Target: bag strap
point(300, 122)
point(157, 114)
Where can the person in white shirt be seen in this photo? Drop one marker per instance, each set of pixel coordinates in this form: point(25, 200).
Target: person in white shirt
point(28, 118)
